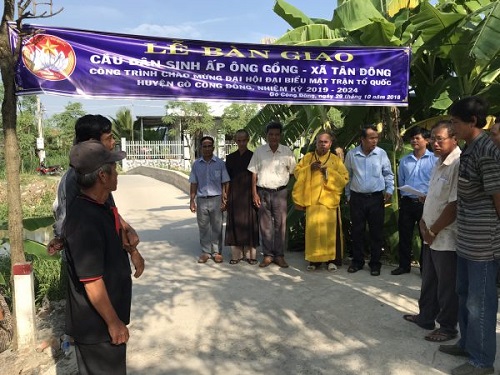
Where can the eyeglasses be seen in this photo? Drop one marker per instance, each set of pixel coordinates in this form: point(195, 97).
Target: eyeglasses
point(439, 140)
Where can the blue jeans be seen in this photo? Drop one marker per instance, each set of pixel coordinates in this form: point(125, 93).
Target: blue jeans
point(478, 304)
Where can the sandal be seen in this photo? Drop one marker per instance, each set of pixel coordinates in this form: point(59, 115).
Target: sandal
point(203, 258)
point(252, 261)
point(331, 267)
point(439, 335)
point(218, 258)
point(235, 261)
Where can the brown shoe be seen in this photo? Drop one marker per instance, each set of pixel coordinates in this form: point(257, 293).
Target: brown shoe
point(280, 261)
point(266, 261)
point(203, 258)
point(218, 258)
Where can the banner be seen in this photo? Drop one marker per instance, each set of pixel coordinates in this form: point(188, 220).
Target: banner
point(102, 65)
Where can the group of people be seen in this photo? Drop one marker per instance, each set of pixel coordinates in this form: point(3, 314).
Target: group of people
point(460, 227)
point(451, 196)
point(455, 201)
point(252, 188)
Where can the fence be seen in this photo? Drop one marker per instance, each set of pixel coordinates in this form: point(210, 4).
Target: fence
point(154, 150)
point(164, 154)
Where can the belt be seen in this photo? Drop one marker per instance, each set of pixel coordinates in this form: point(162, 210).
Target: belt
point(412, 200)
point(209, 196)
point(367, 195)
point(272, 190)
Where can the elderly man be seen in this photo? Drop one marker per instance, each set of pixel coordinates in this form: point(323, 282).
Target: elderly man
point(271, 165)
point(320, 180)
point(98, 128)
point(438, 300)
point(208, 198)
point(100, 284)
point(371, 184)
point(478, 239)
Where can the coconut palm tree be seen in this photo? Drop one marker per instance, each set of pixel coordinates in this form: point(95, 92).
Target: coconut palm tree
point(123, 125)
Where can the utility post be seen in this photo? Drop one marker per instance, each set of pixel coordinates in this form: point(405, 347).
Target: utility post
point(40, 144)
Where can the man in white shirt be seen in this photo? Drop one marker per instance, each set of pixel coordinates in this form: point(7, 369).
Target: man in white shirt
point(438, 299)
point(271, 166)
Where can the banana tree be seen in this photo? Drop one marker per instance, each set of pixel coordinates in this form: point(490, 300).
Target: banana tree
point(454, 46)
point(455, 54)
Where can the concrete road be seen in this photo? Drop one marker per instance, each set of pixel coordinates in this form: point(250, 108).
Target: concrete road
point(208, 319)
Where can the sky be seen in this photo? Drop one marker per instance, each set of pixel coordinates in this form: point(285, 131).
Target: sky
point(217, 20)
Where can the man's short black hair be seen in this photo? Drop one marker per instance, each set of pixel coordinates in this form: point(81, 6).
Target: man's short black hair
point(207, 138)
point(91, 127)
point(416, 130)
point(274, 125)
point(365, 128)
point(467, 108)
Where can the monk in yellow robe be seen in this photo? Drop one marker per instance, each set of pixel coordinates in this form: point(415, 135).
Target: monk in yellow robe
point(320, 179)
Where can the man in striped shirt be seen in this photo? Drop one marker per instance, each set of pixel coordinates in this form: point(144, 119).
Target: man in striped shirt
point(478, 239)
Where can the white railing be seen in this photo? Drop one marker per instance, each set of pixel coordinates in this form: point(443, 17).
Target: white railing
point(154, 150)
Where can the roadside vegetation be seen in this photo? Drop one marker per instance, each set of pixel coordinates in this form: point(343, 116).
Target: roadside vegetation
point(37, 196)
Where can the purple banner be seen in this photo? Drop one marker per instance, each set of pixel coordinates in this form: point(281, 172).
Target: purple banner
point(102, 65)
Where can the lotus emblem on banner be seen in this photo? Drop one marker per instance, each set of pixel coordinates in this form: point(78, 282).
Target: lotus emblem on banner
point(49, 57)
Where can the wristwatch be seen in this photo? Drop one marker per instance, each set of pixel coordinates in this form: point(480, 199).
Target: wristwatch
point(431, 232)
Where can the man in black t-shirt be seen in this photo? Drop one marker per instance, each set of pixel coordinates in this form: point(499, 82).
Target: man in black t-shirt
point(100, 285)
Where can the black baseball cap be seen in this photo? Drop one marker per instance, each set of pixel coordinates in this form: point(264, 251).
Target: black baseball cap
point(87, 157)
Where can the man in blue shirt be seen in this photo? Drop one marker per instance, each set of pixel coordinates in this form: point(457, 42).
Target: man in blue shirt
point(414, 170)
point(208, 198)
point(371, 184)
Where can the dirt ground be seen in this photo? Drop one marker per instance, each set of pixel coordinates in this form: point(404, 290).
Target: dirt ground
point(37, 361)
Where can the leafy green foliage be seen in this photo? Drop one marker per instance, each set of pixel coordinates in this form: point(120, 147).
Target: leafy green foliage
point(48, 279)
point(237, 116)
point(123, 125)
point(61, 127)
point(49, 276)
point(196, 117)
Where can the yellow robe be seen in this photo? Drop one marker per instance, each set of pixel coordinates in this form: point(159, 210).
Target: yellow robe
point(320, 197)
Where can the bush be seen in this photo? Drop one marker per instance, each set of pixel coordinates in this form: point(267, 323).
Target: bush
point(50, 278)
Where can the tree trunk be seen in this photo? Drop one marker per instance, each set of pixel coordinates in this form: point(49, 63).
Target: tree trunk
point(12, 156)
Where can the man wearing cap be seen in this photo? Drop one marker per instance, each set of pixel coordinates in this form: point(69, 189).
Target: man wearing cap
point(100, 285)
point(99, 128)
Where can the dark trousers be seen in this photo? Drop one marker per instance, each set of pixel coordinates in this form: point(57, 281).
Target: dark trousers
point(410, 213)
point(101, 359)
point(272, 221)
point(367, 209)
point(438, 299)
